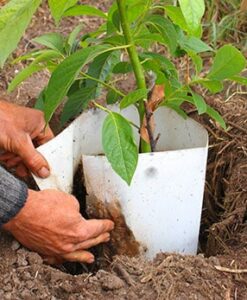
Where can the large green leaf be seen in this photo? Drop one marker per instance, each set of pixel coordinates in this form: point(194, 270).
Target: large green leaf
point(65, 74)
point(52, 40)
point(136, 9)
point(133, 97)
point(79, 10)
point(101, 68)
point(165, 27)
point(58, 7)
point(193, 11)
point(177, 17)
point(229, 61)
point(14, 19)
point(119, 146)
point(76, 102)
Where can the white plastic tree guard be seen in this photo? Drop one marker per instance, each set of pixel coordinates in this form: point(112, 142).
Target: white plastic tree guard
point(163, 204)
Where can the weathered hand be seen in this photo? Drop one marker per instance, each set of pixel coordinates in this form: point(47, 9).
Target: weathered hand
point(50, 223)
point(21, 130)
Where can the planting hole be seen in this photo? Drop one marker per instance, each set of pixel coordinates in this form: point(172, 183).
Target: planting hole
point(122, 239)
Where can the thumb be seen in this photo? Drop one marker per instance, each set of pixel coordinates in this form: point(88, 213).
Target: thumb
point(32, 159)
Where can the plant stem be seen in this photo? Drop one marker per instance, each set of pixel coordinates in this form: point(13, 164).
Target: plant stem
point(110, 112)
point(137, 67)
point(103, 83)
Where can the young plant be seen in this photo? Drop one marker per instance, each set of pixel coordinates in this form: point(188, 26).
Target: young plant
point(144, 37)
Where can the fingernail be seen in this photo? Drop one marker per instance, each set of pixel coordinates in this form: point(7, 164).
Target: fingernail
point(43, 172)
point(91, 260)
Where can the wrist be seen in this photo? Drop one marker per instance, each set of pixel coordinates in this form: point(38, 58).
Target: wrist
point(22, 213)
point(13, 195)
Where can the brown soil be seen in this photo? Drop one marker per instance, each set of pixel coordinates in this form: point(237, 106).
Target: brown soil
point(23, 276)
point(222, 275)
point(122, 238)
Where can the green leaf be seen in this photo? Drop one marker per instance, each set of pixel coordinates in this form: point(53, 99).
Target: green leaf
point(47, 55)
point(110, 26)
point(197, 60)
point(162, 60)
point(77, 85)
point(136, 9)
point(116, 20)
point(239, 79)
point(112, 97)
point(194, 44)
point(73, 35)
point(150, 38)
point(177, 17)
point(122, 67)
point(193, 11)
point(53, 41)
point(199, 103)
point(216, 116)
point(40, 102)
point(176, 108)
point(179, 97)
point(119, 146)
point(44, 56)
point(229, 61)
point(101, 68)
point(133, 97)
point(77, 102)
point(65, 74)
point(79, 10)
point(58, 7)
point(117, 40)
point(23, 75)
point(14, 11)
point(165, 27)
point(214, 86)
point(29, 56)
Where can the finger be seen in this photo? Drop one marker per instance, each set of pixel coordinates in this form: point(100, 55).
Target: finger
point(44, 136)
point(52, 260)
point(94, 228)
point(7, 155)
point(32, 159)
point(79, 256)
point(21, 171)
point(103, 238)
point(13, 162)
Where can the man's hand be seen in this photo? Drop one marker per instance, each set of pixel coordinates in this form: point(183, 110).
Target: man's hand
point(50, 224)
point(21, 130)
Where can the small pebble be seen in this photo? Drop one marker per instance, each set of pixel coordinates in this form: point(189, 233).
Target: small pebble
point(15, 245)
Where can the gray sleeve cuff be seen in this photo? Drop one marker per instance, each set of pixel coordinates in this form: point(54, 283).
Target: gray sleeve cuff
point(13, 195)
